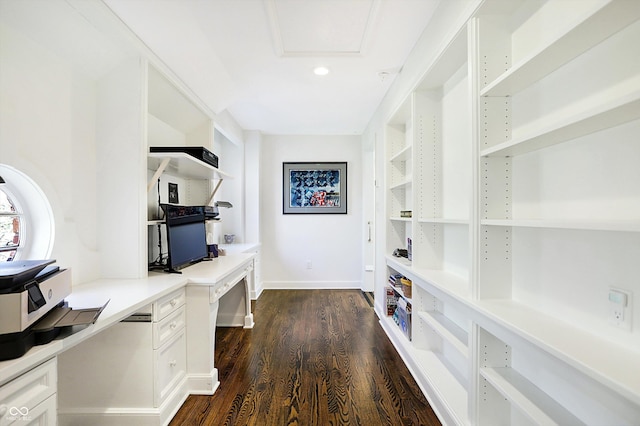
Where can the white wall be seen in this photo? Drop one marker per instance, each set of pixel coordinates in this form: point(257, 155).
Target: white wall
point(232, 190)
point(47, 111)
point(332, 243)
point(59, 77)
point(252, 140)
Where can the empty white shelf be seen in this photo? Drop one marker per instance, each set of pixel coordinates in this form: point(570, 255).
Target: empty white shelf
point(616, 111)
point(527, 398)
point(587, 225)
point(584, 351)
point(602, 21)
point(448, 330)
point(403, 155)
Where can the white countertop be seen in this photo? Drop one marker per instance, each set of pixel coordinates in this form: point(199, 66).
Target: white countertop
point(126, 296)
point(239, 247)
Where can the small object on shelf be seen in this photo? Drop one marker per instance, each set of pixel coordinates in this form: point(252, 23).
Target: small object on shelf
point(406, 213)
point(229, 238)
point(401, 253)
point(173, 193)
point(394, 279)
point(198, 152)
point(406, 287)
point(392, 301)
point(409, 248)
point(402, 317)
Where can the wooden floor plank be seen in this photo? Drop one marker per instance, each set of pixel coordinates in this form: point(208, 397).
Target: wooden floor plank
point(314, 357)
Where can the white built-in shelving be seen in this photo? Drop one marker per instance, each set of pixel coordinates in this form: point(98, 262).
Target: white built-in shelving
point(175, 120)
point(623, 108)
point(533, 404)
point(613, 225)
point(520, 143)
point(184, 165)
point(582, 29)
point(401, 156)
point(434, 152)
point(447, 329)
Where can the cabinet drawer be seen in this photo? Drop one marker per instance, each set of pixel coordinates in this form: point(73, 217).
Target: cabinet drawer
point(164, 330)
point(20, 396)
point(219, 290)
point(171, 365)
point(168, 304)
point(43, 414)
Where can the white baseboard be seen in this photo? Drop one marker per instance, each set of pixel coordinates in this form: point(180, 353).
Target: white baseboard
point(125, 416)
point(312, 285)
point(255, 294)
point(203, 384)
point(230, 320)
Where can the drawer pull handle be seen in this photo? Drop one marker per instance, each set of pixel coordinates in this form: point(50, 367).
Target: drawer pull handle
point(173, 363)
point(173, 302)
point(173, 325)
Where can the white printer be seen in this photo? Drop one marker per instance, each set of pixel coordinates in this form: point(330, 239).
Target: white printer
point(32, 308)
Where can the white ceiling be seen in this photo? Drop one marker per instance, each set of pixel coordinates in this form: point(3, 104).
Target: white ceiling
point(255, 58)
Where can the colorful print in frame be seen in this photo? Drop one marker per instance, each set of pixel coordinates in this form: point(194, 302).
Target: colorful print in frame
point(314, 188)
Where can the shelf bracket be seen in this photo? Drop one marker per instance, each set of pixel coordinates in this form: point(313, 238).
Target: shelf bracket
point(214, 192)
point(156, 175)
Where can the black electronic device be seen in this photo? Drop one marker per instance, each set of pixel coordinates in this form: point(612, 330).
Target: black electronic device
point(211, 212)
point(186, 235)
point(177, 214)
point(199, 152)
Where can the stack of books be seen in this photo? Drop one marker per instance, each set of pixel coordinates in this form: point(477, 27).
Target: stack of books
point(394, 280)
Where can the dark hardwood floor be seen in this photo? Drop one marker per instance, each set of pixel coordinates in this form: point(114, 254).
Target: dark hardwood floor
point(314, 357)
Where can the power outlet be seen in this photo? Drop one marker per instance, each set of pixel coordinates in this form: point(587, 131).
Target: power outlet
point(620, 308)
point(309, 264)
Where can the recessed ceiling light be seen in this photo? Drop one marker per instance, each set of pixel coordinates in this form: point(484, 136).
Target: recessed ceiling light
point(321, 70)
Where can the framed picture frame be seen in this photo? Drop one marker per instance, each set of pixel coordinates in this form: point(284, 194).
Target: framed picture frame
point(314, 188)
point(173, 193)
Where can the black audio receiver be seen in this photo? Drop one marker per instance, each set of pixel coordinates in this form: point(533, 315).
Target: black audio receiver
point(199, 152)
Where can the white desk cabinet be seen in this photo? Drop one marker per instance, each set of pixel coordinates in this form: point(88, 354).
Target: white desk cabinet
point(30, 399)
point(141, 368)
point(129, 373)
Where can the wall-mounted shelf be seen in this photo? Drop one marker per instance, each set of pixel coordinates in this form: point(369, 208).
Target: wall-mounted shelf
point(162, 221)
point(402, 185)
point(433, 280)
point(621, 109)
point(534, 404)
point(400, 219)
point(444, 221)
point(580, 349)
point(403, 155)
point(400, 293)
point(603, 20)
point(183, 165)
point(586, 225)
point(448, 330)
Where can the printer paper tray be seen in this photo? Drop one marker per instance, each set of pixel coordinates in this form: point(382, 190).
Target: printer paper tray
point(64, 317)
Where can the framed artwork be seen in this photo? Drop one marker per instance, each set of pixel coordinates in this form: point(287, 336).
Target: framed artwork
point(314, 188)
point(173, 193)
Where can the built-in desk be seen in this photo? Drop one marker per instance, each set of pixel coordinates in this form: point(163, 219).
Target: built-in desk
point(203, 300)
point(118, 362)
